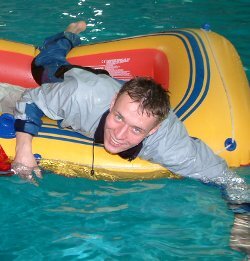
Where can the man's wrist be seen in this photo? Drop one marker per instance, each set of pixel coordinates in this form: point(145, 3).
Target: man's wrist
point(23, 142)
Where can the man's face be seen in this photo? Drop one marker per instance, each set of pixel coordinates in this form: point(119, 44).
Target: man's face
point(126, 126)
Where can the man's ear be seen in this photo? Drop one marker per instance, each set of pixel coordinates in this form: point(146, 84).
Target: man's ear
point(154, 129)
point(113, 102)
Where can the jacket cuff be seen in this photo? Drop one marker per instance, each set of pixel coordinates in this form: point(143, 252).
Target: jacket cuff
point(33, 121)
point(27, 127)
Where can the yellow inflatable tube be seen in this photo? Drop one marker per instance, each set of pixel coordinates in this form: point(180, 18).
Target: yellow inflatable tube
point(203, 72)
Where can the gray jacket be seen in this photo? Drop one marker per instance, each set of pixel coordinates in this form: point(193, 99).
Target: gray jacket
point(81, 103)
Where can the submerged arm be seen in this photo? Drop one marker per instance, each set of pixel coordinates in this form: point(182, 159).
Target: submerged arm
point(172, 147)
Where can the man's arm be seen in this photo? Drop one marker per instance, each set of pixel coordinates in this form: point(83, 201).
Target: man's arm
point(50, 100)
point(240, 236)
point(24, 162)
point(24, 150)
point(172, 147)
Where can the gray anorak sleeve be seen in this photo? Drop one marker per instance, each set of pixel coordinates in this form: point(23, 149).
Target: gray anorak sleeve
point(173, 148)
point(76, 101)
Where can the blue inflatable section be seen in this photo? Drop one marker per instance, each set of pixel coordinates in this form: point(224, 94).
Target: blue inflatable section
point(7, 129)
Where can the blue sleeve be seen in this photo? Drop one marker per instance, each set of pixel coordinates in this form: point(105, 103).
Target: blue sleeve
point(53, 55)
point(33, 120)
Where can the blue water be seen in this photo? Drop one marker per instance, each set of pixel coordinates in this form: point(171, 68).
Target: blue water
point(79, 219)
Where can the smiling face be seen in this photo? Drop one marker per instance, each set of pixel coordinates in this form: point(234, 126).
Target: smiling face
point(126, 125)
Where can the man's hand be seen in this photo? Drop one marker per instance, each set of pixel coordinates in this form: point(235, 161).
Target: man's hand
point(24, 164)
point(240, 237)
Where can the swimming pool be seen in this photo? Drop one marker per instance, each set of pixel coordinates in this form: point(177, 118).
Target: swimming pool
point(71, 219)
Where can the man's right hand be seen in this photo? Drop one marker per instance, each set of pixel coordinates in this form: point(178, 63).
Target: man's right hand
point(24, 164)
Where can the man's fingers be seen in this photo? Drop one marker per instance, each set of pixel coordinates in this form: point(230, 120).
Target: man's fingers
point(26, 173)
point(21, 170)
point(38, 172)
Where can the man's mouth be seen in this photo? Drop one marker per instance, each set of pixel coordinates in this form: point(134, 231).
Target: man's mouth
point(114, 142)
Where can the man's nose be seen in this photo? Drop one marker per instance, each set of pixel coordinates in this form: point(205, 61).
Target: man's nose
point(121, 132)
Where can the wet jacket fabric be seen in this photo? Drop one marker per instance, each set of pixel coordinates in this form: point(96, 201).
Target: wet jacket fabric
point(81, 100)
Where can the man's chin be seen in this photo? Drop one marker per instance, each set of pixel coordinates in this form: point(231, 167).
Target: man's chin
point(112, 150)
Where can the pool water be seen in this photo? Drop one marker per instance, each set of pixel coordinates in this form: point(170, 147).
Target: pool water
point(79, 219)
point(71, 219)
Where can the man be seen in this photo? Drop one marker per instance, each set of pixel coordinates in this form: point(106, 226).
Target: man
point(130, 120)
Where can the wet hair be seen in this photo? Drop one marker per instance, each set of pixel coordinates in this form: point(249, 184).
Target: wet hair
point(153, 99)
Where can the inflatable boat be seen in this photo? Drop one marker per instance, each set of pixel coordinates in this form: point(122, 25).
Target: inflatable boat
point(201, 69)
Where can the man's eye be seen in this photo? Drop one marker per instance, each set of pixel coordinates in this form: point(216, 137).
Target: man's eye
point(118, 117)
point(137, 130)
